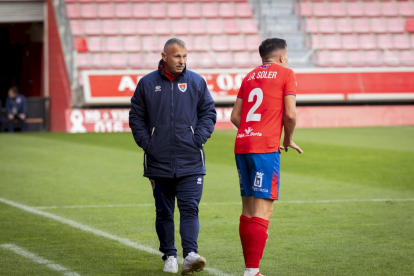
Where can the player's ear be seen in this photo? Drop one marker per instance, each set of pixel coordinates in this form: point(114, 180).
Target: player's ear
point(164, 56)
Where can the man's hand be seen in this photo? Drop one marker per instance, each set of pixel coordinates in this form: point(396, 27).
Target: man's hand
point(291, 144)
point(11, 116)
point(22, 116)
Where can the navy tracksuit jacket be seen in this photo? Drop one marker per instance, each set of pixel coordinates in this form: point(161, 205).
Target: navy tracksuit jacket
point(172, 124)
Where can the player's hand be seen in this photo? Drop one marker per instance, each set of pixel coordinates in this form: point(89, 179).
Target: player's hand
point(22, 116)
point(292, 145)
point(11, 116)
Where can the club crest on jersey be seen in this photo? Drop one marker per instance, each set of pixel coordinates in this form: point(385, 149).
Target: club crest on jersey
point(258, 179)
point(182, 87)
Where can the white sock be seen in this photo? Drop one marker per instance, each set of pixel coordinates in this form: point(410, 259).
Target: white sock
point(251, 271)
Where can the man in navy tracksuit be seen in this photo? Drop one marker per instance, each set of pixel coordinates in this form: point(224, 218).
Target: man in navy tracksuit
point(16, 107)
point(171, 118)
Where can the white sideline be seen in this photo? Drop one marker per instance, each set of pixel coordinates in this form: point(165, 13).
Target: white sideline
point(100, 233)
point(230, 203)
point(37, 259)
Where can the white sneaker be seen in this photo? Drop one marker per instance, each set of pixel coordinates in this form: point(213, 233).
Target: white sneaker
point(193, 263)
point(171, 265)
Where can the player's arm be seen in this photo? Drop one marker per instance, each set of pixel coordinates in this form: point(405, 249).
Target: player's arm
point(236, 113)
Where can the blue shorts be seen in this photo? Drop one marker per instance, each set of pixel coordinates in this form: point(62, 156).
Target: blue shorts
point(259, 174)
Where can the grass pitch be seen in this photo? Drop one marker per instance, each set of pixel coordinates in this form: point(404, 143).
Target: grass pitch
point(346, 205)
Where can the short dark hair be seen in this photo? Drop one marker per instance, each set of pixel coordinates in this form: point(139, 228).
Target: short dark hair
point(270, 45)
point(14, 89)
point(174, 41)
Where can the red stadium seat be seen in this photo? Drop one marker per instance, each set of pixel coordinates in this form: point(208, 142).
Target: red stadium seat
point(110, 27)
point(350, 42)
point(242, 59)
point(227, 10)
point(402, 42)
point(161, 42)
point(409, 26)
point(192, 61)
point(378, 25)
point(244, 10)
point(338, 59)
point(224, 59)
point(88, 11)
point(344, 25)
point(192, 10)
point(92, 27)
point(311, 25)
point(373, 58)
point(236, 43)
point(385, 41)
point(118, 61)
point(179, 26)
point(316, 42)
point(188, 40)
point(127, 27)
point(305, 9)
point(355, 9)
point(80, 44)
point(389, 9)
point(114, 44)
point(321, 9)
point(337, 9)
point(215, 26)
point(76, 27)
point(132, 44)
point(391, 58)
point(135, 61)
point(151, 60)
point(157, 10)
point(96, 44)
point(407, 58)
point(100, 61)
point(323, 58)
point(106, 11)
point(175, 10)
point(253, 42)
point(395, 25)
point(332, 42)
point(249, 26)
point(72, 10)
point(209, 10)
point(367, 42)
point(83, 61)
point(150, 44)
point(219, 43)
point(206, 60)
point(197, 26)
point(361, 25)
point(255, 59)
point(201, 43)
point(231, 26)
point(144, 27)
point(140, 10)
point(123, 10)
point(162, 27)
point(372, 9)
point(356, 58)
point(406, 9)
point(327, 25)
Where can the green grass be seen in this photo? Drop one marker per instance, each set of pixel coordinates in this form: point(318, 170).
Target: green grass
point(349, 236)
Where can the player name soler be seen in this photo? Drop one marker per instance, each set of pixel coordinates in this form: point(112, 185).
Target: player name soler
point(263, 75)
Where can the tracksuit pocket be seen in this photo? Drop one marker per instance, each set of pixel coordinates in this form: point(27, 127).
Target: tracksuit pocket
point(201, 150)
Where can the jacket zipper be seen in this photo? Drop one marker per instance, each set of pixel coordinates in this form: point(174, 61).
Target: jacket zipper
point(201, 150)
point(145, 155)
point(172, 126)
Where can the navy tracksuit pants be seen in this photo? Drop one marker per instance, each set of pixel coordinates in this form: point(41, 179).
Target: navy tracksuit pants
point(188, 191)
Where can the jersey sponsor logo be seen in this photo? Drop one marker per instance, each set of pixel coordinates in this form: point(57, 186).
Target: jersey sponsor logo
point(248, 133)
point(152, 183)
point(157, 88)
point(182, 87)
point(258, 180)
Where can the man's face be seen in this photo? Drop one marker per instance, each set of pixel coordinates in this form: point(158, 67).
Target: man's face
point(175, 58)
point(12, 95)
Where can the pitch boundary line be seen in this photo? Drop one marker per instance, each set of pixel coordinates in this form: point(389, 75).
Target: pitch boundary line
point(37, 259)
point(100, 233)
point(228, 203)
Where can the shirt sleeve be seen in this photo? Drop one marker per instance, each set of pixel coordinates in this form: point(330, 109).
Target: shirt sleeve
point(290, 84)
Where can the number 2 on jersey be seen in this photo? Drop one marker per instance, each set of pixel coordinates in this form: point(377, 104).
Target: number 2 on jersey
point(251, 116)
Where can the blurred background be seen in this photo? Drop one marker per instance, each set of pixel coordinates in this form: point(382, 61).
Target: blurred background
point(77, 62)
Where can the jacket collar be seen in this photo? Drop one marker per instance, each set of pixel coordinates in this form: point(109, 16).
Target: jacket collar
point(162, 73)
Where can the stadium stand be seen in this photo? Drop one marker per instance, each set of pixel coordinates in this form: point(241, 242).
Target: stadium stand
point(130, 34)
point(338, 30)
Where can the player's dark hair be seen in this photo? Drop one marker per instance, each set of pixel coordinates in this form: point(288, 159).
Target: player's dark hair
point(270, 45)
point(14, 89)
point(172, 41)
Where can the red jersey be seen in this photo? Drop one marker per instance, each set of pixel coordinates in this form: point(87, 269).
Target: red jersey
point(263, 91)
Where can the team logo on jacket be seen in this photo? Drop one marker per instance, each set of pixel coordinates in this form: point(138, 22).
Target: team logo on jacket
point(157, 88)
point(182, 87)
